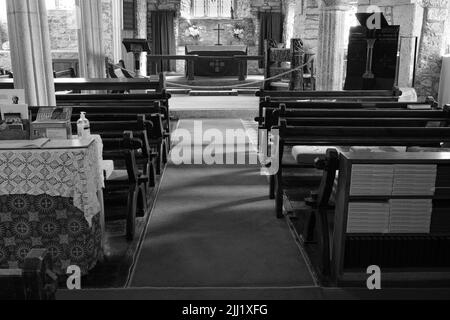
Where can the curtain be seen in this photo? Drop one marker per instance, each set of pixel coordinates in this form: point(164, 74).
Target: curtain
point(271, 28)
point(163, 39)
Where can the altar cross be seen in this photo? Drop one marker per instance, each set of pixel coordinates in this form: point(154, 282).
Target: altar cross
point(218, 34)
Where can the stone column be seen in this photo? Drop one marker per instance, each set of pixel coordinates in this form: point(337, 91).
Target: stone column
point(331, 47)
point(141, 32)
point(117, 14)
point(431, 47)
point(30, 51)
point(90, 44)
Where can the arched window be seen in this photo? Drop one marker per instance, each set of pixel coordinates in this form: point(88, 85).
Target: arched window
point(212, 8)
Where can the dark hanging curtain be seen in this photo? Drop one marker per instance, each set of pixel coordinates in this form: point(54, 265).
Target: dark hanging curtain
point(163, 39)
point(271, 28)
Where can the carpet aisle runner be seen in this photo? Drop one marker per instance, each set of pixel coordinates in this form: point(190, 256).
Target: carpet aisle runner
point(214, 226)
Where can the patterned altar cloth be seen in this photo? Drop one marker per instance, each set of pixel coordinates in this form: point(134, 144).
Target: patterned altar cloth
point(72, 173)
point(49, 199)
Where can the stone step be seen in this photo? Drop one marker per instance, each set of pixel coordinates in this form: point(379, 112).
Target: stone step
point(214, 93)
point(250, 91)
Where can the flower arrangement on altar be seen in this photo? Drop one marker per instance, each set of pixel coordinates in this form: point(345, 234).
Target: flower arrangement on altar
point(193, 32)
point(238, 32)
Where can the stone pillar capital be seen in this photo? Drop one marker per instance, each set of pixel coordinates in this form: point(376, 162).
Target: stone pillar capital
point(335, 5)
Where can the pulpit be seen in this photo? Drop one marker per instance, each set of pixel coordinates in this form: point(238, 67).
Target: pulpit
point(217, 61)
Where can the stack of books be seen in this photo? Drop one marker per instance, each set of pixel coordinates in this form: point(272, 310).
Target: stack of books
point(371, 180)
point(414, 180)
point(410, 216)
point(365, 217)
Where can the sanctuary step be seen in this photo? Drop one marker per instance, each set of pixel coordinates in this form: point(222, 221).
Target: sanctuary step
point(214, 93)
point(204, 107)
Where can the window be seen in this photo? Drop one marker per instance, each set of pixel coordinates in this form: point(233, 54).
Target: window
point(212, 8)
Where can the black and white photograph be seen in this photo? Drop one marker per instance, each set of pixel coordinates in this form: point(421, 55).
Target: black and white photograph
point(225, 156)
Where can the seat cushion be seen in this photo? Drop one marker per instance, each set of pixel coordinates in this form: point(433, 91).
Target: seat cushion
point(378, 149)
point(107, 167)
point(121, 175)
point(305, 155)
point(425, 149)
point(118, 175)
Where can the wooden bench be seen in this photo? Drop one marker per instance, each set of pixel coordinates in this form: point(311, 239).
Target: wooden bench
point(35, 281)
point(121, 100)
point(267, 117)
point(315, 112)
point(128, 184)
point(420, 257)
point(349, 95)
point(157, 136)
point(103, 84)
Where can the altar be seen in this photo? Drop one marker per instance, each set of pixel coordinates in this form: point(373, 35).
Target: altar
point(51, 197)
point(222, 66)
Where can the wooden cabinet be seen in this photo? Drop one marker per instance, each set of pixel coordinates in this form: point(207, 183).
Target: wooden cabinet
point(393, 211)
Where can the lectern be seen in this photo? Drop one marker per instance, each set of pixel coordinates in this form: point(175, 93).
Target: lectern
point(136, 46)
point(373, 60)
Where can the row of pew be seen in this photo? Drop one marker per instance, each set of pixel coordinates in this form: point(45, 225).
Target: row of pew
point(135, 131)
point(316, 127)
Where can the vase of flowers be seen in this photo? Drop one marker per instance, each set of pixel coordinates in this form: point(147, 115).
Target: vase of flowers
point(193, 32)
point(238, 32)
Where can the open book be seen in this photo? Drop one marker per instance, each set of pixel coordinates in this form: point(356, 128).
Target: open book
point(23, 144)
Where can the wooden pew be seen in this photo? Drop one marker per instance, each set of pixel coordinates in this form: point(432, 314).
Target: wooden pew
point(315, 112)
point(35, 281)
point(118, 84)
point(344, 95)
point(122, 100)
point(420, 257)
point(129, 184)
point(157, 136)
point(327, 132)
point(266, 112)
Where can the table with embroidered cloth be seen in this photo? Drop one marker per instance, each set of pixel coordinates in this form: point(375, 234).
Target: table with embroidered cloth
point(51, 197)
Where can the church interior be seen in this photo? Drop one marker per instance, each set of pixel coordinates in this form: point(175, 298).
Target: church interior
point(224, 149)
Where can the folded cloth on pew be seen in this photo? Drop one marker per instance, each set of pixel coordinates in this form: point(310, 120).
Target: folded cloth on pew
point(71, 173)
point(306, 155)
point(107, 167)
point(427, 149)
point(378, 149)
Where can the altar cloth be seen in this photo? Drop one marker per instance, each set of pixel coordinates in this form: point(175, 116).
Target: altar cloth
point(61, 169)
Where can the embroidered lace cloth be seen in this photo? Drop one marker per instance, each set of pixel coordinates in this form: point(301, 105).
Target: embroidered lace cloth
point(72, 173)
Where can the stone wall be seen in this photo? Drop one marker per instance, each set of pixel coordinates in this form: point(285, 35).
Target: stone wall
point(432, 46)
point(306, 23)
point(246, 16)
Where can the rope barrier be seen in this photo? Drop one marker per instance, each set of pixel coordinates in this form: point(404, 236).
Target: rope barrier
point(223, 87)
